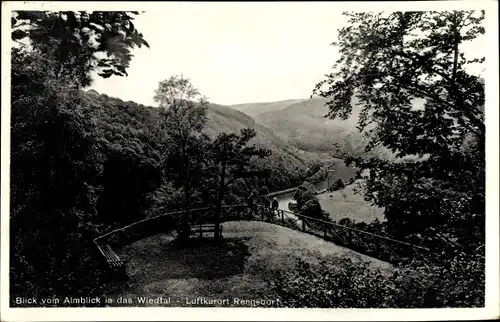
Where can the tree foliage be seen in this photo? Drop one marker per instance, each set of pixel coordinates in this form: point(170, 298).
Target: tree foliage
point(130, 142)
point(79, 42)
point(58, 153)
point(344, 283)
point(389, 60)
point(419, 99)
point(54, 166)
point(307, 202)
point(184, 113)
point(230, 157)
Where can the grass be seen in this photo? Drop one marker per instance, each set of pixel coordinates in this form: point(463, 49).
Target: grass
point(242, 266)
point(346, 204)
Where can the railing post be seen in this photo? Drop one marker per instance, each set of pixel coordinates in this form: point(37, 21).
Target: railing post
point(282, 217)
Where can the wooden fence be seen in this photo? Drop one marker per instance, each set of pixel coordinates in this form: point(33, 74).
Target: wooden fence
point(167, 222)
point(362, 241)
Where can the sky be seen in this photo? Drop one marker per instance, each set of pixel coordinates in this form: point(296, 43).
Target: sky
point(245, 52)
point(234, 52)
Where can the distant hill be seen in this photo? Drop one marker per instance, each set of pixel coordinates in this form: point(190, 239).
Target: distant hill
point(254, 109)
point(225, 119)
point(305, 126)
point(287, 163)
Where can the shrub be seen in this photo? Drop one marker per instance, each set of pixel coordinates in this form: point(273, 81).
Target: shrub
point(343, 283)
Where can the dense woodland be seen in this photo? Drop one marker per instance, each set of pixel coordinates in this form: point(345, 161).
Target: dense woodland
point(83, 163)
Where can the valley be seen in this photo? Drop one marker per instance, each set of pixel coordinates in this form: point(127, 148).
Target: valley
point(133, 173)
point(289, 164)
point(283, 125)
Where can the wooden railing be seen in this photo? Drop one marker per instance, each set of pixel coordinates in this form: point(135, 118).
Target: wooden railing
point(168, 222)
point(350, 237)
point(328, 230)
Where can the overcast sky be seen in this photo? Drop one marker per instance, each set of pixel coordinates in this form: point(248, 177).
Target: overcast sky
point(232, 52)
point(248, 52)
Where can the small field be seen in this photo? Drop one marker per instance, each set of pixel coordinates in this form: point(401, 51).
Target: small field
point(242, 267)
point(346, 204)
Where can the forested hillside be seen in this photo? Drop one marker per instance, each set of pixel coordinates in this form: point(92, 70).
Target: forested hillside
point(138, 127)
point(254, 109)
point(304, 124)
point(288, 164)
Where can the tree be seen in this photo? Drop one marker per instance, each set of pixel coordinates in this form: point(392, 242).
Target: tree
point(56, 162)
point(307, 202)
point(79, 42)
point(54, 171)
point(305, 192)
point(339, 184)
point(409, 73)
point(390, 60)
point(313, 167)
point(185, 114)
point(231, 156)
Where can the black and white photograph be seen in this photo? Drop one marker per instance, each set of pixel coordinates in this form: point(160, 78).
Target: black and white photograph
point(250, 155)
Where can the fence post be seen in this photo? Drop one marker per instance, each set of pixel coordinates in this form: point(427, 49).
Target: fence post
point(201, 232)
point(282, 217)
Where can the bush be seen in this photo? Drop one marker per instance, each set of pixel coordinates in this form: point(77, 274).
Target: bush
point(343, 283)
point(338, 185)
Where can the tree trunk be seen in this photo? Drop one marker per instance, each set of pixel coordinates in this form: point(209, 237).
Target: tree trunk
point(455, 54)
point(185, 229)
point(219, 199)
point(185, 219)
